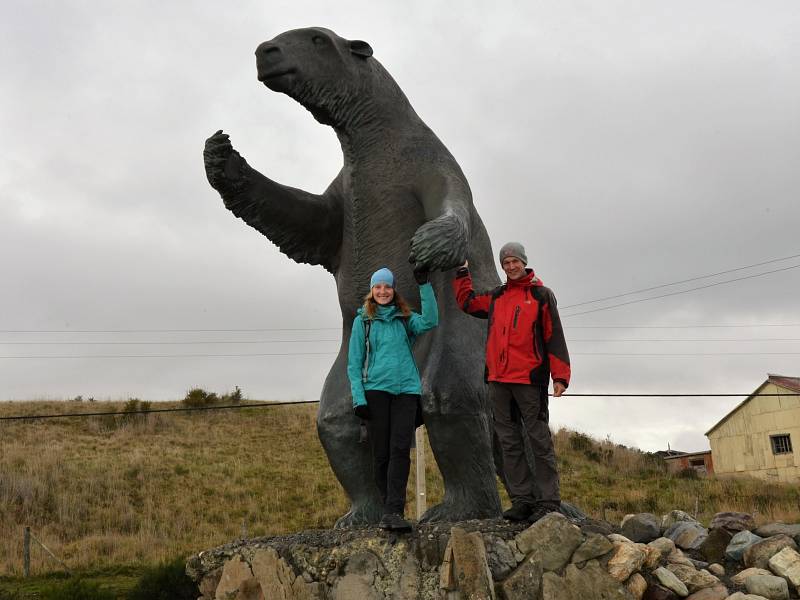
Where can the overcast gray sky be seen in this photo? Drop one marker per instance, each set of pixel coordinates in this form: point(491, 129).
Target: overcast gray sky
point(626, 144)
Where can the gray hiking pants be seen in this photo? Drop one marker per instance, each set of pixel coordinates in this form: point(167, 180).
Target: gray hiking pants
point(512, 401)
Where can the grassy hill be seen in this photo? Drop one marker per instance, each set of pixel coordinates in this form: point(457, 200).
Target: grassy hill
point(104, 492)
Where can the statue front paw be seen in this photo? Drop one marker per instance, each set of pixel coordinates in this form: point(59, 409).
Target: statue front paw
point(225, 167)
point(440, 243)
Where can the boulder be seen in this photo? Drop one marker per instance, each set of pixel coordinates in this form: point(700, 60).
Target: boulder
point(743, 596)
point(687, 535)
point(713, 547)
point(669, 580)
point(698, 564)
point(769, 586)
point(641, 527)
point(637, 586)
point(468, 563)
point(733, 521)
point(677, 557)
point(718, 592)
point(557, 534)
point(626, 559)
point(595, 546)
point(742, 576)
point(278, 580)
point(716, 569)
point(657, 592)
point(739, 543)
point(581, 584)
point(766, 531)
point(758, 554)
point(617, 537)
point(659, 548)
point(525, 583)
point(238, 582)
point(500, 556)
point(786, 564)
point(693, 579)
point(675, 516)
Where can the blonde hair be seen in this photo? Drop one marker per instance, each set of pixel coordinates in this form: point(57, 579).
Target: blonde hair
point(371, 306)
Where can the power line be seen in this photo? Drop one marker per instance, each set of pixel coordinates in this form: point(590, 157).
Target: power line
point(686, 340)
point(161, 343)
point(663, 285)
point(240, 355)
point(213, 342)
point(684, 354)
point(248, 330)
point(700, 326)
point(274, 404)
point(263, 354)
point(701, 287)
point(62, 331)
point(154, 410)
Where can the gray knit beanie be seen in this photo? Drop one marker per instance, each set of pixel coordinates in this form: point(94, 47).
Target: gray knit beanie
point(514, 249)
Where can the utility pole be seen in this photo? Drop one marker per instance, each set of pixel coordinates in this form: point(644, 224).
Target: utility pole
point(422, 503)
point(26, 552)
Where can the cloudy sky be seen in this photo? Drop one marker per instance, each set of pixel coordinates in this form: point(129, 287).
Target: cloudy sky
point(628, 145)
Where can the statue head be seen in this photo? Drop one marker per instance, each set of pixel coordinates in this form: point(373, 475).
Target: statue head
point(315, 67)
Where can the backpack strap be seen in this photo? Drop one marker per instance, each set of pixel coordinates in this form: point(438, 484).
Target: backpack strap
point(365, 366)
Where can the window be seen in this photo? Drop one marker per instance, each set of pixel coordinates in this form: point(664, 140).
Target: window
point(781, 444)
point(697, 462)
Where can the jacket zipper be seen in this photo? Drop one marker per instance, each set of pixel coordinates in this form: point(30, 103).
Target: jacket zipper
point(516, 316)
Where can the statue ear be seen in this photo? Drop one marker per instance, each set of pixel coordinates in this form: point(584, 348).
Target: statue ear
point(360, 48)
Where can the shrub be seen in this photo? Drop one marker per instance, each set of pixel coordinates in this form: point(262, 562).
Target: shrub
point(198, 397)
point(687, 473)
point(580, 442)
point(75, 589)
point(167, 581)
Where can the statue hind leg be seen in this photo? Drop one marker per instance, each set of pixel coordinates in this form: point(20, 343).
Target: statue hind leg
point(462, 446)
point(350, 459)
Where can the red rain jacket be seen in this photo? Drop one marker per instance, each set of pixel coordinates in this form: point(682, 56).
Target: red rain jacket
point(525, 343)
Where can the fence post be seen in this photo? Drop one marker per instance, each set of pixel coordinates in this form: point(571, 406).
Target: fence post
point(422, 503)
point(26, 552)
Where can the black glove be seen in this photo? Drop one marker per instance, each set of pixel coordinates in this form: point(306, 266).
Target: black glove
point(361, 411)
point(422, 275)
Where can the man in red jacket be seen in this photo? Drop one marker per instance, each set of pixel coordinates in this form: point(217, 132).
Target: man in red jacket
point(524, 346)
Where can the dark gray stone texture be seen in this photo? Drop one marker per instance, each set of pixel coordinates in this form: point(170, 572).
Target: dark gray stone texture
point(642, 527)
point(733, 521)
point(400, 196)
point(739, 543)
point(714, 546)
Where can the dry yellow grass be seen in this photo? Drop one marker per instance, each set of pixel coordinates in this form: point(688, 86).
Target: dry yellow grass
point(101, 491)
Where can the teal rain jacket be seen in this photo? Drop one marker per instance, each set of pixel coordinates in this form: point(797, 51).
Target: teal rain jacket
point(391, 366)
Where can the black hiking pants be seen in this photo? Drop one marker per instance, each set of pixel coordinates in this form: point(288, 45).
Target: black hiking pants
point(512, 401)
point(391, 430)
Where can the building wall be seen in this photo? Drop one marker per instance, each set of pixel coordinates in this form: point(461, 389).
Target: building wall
point(741, 445)
point(702, 463)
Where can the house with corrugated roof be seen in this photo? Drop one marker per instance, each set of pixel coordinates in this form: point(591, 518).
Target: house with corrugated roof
point(758, 437)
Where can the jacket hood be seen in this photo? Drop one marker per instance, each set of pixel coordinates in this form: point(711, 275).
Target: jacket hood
point(529, 280)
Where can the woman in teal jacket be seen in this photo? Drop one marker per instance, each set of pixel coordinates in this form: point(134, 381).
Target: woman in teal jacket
point(386, 385)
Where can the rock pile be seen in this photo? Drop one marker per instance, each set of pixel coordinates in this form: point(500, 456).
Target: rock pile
point(556, 558)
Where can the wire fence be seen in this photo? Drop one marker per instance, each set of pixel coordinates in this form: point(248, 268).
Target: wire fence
point(295, 402)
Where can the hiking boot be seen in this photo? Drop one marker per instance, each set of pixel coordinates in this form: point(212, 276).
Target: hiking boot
point(394, 522)
point(540, 510)
point(519, 511)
